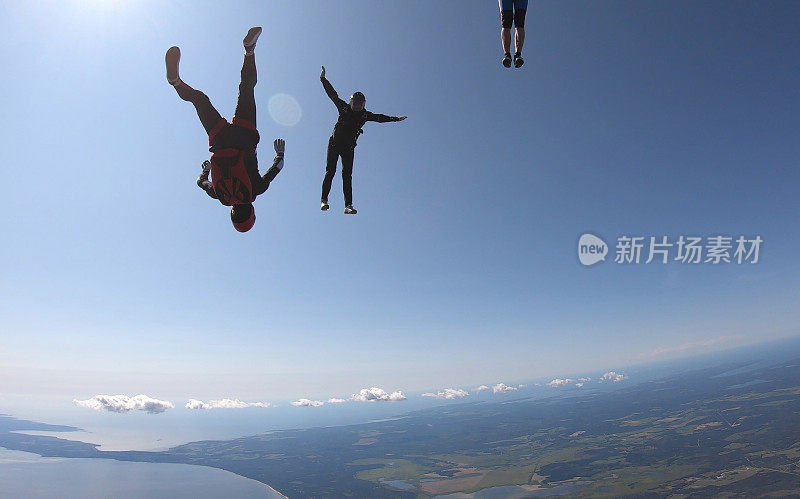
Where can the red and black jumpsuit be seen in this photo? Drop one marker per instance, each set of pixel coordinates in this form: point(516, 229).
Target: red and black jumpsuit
point(240, 133)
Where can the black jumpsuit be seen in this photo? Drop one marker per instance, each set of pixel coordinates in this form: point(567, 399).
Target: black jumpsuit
point(343, 141)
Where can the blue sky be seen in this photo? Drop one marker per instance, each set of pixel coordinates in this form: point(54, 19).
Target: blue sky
point(640, 118)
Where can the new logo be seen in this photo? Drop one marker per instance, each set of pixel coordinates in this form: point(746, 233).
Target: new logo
point(591, 249)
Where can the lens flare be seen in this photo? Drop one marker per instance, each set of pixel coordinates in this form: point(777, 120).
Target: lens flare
point(284, 109)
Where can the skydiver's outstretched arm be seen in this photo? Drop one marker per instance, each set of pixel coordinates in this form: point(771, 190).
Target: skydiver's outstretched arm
point(272, 171)
point(382, 118)
point(203, 182)
point(332, 95)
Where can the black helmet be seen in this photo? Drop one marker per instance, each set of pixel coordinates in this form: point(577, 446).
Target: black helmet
point(358, 97)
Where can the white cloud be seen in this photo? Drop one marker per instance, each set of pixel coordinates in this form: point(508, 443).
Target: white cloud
point(521, 386)
point(124, 403)
point(503, 388)
point(334, 400)
point(448, 393)
point(481, 388)
point(307, 403)
point(375, 394)
point(197, 404)
point(584, 380)
point(223, 404)
point(560, 382)
point(613, 377)
point(578, 385)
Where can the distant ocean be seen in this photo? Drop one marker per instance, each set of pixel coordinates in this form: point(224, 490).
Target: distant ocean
point(28, 475)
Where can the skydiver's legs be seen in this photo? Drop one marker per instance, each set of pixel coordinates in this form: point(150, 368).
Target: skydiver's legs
point(519, 36)
point(520, 8)
point(347, 176)
point(505, 39)
point(209, 116)
point(330, 169)
point(246, 103)
point(506, 21)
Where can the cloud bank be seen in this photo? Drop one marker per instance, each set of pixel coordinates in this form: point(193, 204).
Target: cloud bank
point(307, 403)
point(376, 394)
point(481, 388)
point(223, 404)
point(503, 388)
point(560, 382)
point(613, 377)
point(448, 394)
point(124, 403)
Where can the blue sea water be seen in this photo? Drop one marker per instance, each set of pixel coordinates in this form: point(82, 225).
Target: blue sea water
point(30, 476)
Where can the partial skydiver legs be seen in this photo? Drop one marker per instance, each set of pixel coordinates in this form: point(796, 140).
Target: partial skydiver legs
point(330, 172)
point(334, 153)
point(246, 103)
point(519, 40)
point(518, 18)
point(209, 116)
point(512, 13)
point(505, 40)
point(347, 178)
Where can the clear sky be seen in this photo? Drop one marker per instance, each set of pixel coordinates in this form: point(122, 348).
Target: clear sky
point(660, 118)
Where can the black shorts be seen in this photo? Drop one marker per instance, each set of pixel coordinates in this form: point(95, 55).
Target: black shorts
point(512, 12)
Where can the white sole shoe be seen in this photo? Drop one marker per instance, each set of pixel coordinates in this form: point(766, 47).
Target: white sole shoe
point(251, 38)
point(171, 60)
